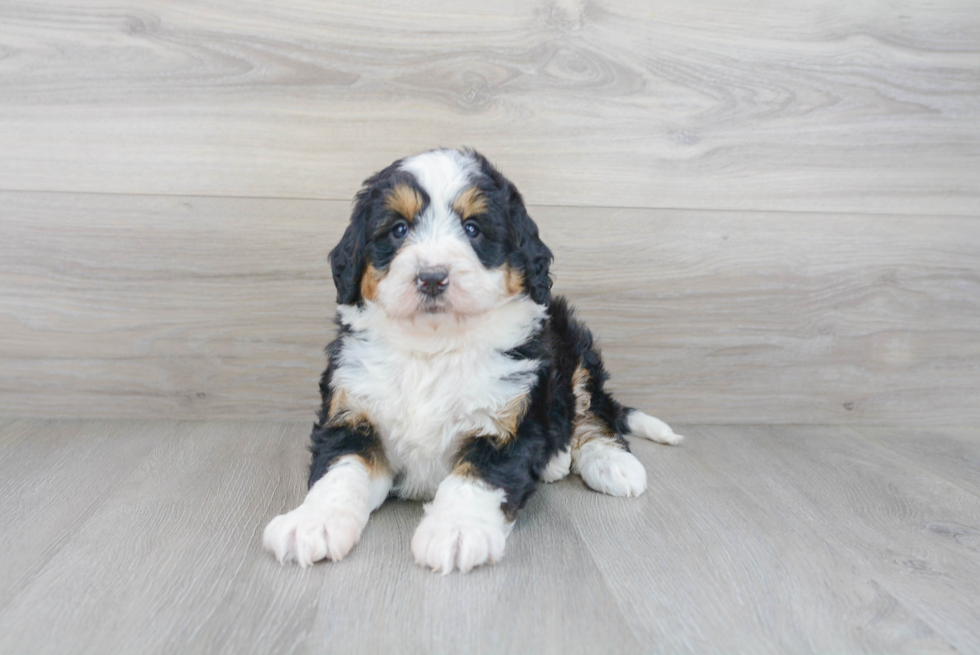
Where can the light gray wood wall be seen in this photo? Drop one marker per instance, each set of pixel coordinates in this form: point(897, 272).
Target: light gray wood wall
point(768, 214)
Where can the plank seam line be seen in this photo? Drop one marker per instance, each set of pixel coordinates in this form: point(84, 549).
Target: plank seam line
point(716, 210)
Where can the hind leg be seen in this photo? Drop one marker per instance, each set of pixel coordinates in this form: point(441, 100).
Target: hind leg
point(650, 427)
point(600, 454)
point(599, 451)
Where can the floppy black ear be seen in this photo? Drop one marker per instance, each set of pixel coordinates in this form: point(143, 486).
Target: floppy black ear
point(530, 254)
point(347, 258)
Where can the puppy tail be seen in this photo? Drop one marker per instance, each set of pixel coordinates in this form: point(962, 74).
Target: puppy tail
point(648, 427)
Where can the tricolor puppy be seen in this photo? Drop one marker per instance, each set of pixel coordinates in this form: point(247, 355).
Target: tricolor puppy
point(456, 377)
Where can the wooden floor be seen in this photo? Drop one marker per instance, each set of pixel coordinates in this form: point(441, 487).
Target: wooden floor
point(128, 536)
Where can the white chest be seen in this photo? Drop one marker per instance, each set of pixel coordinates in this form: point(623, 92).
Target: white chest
point(425, 391)
point(423, 405)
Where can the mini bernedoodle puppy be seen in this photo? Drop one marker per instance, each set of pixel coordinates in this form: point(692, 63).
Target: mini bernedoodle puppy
point(456, 377)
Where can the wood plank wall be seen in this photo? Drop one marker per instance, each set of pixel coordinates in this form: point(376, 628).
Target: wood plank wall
point(769, 213)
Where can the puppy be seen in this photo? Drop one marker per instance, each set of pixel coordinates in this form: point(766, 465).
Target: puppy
point(456, 377)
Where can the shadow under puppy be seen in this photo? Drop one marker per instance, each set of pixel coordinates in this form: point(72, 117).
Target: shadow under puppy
point(456, 376)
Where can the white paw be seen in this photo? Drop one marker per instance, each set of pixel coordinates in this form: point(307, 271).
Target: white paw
point(558, 467)
point(463, 527)
point(310, 533)
point(444, 544)
point(649, 427)
point(611, 470)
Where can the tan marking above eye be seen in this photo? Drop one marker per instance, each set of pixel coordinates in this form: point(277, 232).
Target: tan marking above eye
point(470, 202)
point(404, 201)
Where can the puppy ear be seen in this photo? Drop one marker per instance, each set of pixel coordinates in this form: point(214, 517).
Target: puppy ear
point(347, 258)
point(530, 254)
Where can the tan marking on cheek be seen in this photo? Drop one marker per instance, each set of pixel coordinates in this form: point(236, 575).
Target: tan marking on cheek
point(404, 201)
point(469, 203)
point(369, 282)
point(513, 281)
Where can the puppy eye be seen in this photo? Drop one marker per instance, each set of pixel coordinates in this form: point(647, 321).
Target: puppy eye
point(400, 230)
point(472, 229)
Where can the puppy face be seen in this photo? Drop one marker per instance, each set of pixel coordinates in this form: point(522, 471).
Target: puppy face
point(442, 233)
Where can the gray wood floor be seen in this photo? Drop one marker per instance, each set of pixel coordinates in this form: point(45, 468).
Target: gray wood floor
point(140, 536)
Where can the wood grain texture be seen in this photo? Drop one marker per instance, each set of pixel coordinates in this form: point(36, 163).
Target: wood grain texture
point(905, 533)
point(949, 452)
point(57, 475)
point(724, 569)
point(139, 306)
point(750, 539)
point(172, 562)
point(842, 106)
point(163, 306)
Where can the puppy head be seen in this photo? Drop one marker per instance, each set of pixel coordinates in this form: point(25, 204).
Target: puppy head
point(440, 233)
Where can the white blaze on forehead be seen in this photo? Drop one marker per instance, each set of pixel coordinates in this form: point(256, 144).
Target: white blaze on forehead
point(443, 174)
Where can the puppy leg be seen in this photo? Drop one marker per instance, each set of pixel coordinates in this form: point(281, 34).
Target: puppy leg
point(474, 509)
point(599, 452)
point(649, 427)
point(464, 526)
point(336, 509)
point(601, 455)
point(606, 465)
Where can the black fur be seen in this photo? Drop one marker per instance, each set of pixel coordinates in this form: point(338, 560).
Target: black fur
point(523, 249)
point(331, 442)
point(562, 344)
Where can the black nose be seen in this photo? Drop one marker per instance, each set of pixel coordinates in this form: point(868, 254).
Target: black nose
point(432, 281)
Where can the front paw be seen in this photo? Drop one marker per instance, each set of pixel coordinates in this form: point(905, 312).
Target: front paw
point(444, 543)
point(311, 533)
point(464, 526)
